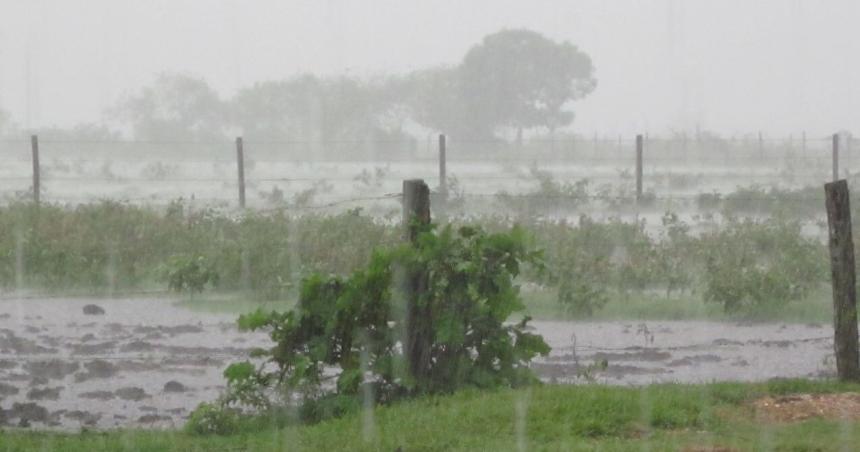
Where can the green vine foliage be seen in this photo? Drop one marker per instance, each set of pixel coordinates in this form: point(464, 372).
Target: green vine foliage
point(755, 265)
point(426, 318)
point(191, 274)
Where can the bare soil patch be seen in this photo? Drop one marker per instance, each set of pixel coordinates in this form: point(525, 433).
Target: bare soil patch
point(800, 407)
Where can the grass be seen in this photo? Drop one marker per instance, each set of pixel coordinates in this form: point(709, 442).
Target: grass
point(550, 417)
point(232, 303)
point(541, 304)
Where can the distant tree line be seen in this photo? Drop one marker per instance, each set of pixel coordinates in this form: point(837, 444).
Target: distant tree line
point(510, 82)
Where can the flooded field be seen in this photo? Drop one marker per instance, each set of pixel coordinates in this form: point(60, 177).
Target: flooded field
point(146, 363)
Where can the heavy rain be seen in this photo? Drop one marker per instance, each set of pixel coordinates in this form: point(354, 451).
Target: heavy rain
point(428, 225)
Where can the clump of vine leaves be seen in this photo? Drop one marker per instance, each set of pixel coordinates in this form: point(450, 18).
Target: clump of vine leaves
point(429, 317)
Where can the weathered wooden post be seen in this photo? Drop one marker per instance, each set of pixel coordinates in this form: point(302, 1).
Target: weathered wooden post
point(416, 215)
point(37, 184)
point(835, 156)
point(639, 146)
point(443, 175)
point(240, 165)
point(842, 271)
point(416, 207)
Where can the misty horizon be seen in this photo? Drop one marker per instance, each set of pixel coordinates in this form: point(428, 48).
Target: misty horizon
point(664, 66)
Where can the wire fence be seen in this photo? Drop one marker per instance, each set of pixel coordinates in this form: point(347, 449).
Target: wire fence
point(315, 175)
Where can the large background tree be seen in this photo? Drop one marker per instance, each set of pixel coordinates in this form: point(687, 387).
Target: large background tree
point(312, 108)
point(520, 79)
point(513, 80)
point(175, 107)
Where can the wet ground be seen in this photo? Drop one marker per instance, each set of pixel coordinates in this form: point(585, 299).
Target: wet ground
point(683, 351)
point(149, 362)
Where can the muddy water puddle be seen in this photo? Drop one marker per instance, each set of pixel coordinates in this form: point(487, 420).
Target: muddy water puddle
point(139, 363)
point(146, 363)
point(683, 351)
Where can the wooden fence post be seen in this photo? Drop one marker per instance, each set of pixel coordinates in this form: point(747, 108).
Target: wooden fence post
point(835, 157)
point(842, 269)
point(639, 146)
point(419, 327)
point(443, 175)
point(37, 183)
point(240, 165)
point(416, 207)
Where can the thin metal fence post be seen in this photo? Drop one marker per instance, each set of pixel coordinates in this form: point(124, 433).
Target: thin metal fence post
point(37, 180)
point(240, 165)
point(639, 146)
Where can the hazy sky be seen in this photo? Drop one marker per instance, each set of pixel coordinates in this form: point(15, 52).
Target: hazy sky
point(732, 66)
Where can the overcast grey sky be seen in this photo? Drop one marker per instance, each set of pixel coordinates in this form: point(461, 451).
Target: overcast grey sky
point(732, 66)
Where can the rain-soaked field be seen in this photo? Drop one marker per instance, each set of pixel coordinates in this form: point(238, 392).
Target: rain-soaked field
point(147, 362)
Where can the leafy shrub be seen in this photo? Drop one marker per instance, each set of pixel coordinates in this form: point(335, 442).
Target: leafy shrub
point(189, 273)
point(579, 263)
point(120, 246)
point(709, 201)
point(676, 254)
point(213, 419)
point(448, 333)
point(753, 266)
point(549, 196)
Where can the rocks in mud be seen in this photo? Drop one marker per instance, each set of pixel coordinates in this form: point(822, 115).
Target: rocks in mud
point(44, 393)
point(174, 386)
point(634, 354)
point(51, 341)
point(93, 309)
point(138, 366)
point(21, 346)
point(131, 393)
point(6, 364)
point(97, 395)
point(777, 343)
point(644, 354)
point(137, 346)
point(17, 376)
point(198, 361)
point(96, 369)
point(740, 362)
point(39, 380)
point(84, 417)
point(169, 330)
point(7, 389)
point(560, 371)
point(114, 328)
point(694, 360)
point(101, 348)
point(180, 329)
point(153, 418)
point(54, 369)
point(27, 412)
